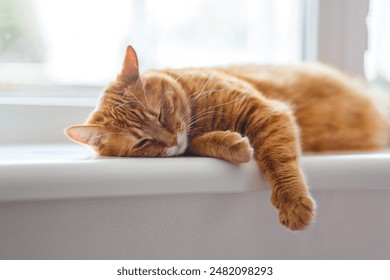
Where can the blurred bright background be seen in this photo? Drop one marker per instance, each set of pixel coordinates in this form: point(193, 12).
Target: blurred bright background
point(82, 42)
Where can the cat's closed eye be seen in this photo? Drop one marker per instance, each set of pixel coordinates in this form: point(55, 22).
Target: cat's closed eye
point(141, 143)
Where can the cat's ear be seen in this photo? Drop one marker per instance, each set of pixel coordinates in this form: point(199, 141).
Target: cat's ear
point(129, 70)
point(92, 135)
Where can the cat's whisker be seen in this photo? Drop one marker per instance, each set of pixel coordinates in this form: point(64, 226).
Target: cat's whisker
point(205, 93)
point(144, 90)
point(202, 93)
point(120, 152)
point(192, 103)
point(117, 127)
point(189, 125)
point(197, 116)
point(127, 102)
point(216, 106)
point(186, 113)
point(162, 97)
point(205, 117)
point(204, 86)
point(193, 100)
point(194, 119)
point(138, 100)
point(225, 102)
point(192, 125)
point(181, 76)
point(201, 116)
point(198, 98)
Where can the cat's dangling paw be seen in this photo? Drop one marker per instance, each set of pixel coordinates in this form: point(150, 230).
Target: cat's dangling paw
point(297, 214)
point(240, 150)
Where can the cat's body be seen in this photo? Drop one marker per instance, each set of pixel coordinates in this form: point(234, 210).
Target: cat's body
point(332, 110)
point(234, 113)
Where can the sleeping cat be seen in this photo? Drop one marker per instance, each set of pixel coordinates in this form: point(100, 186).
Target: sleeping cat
point(234, 114)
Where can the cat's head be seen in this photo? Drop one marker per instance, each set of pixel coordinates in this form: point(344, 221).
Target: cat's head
point(137, 115)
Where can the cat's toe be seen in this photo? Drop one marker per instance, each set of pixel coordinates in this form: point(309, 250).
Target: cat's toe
point(241, 150)
point(297, 214)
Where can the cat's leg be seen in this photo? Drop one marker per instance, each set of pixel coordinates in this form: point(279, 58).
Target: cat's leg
point(227, 145)
point(273, 133)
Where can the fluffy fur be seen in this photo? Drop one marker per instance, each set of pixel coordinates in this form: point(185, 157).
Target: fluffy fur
point(234, 114)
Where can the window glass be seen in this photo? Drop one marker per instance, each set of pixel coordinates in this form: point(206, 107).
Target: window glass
point(377, 64)
point(83, 42)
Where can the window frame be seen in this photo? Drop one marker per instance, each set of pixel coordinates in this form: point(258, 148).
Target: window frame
point(342, 35)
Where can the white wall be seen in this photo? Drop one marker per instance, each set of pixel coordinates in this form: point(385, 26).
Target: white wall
point(349, 225)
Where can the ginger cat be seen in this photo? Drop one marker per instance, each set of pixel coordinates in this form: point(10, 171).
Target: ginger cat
point(234, 114)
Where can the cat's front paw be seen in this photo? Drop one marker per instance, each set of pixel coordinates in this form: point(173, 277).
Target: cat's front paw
point(297, 213)
point(240, 150)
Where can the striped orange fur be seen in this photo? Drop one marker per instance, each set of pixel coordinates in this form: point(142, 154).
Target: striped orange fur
point(236, 113)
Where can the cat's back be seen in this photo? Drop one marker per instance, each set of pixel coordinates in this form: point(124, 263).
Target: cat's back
point(290, 83)
point(333, 109)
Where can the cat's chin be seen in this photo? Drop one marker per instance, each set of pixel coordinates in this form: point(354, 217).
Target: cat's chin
point(179, 148)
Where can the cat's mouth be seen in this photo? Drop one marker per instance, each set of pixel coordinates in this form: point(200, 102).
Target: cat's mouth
point(180, 147)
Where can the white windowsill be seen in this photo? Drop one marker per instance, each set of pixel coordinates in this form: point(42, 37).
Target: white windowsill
point(35, 172)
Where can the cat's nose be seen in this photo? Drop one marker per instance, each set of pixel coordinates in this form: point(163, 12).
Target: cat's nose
point(172, 141)
point(166, 137)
